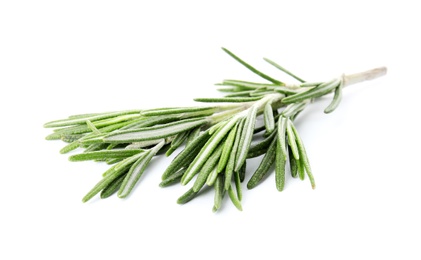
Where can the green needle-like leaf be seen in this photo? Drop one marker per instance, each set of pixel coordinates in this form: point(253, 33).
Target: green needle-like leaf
point(113, 161)
point(193, 134)
point(237, 181)
point(226, 151)
point(293, 109)
point(104, 154)
point(70, 138)
point(185, 157)
point(292, 164)
point(207, 168)
point(188, 196)
point(283, 69)
point(246, 136)
point(71, 130)
point(178, 140)
point(54, 136)
point(261, 74)
point(207, 150)
point(279, 167)
point(95, 147)
point(92, 139)
point(229, 169)
point(316, 92)
point(175, 178)
point(70, 147)
point(87, 115)
point(291, 140)
point(242, 172)
point(219, 192)
point(264, 166)
point(92, 127)
point(260, 93)
point(336, 99)
point(229, 90)
point(150, 121)
point(234, 199)
point(261, 147)
point(154, 132)
point(212, 177)
point(268, 117)
point(141, 144)
point(240, 94)
point(84, 129)
point(75, 121)
point(242, 85)
point(178, 110)
point(124, 164)
point(282, 126)
point(112, 187)
point(284, 90)
point(137, 170)
point(217, 126)
point(310, 84)
point(300, 168)
point(110, 175)
point(303, 157)
point(227, 99)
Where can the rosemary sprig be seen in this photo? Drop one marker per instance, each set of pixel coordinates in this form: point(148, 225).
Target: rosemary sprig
point(217, 138)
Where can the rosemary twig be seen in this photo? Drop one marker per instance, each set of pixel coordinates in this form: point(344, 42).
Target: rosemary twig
point(217, 138)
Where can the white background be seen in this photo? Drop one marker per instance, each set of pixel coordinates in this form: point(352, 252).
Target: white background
point(59, 58)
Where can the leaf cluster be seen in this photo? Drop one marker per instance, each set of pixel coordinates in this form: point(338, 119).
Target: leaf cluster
point(215, 141)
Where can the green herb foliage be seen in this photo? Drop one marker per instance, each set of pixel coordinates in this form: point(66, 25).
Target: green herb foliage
point(215, 141)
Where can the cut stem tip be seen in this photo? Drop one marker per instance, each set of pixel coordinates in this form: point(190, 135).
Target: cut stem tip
point(364, 76)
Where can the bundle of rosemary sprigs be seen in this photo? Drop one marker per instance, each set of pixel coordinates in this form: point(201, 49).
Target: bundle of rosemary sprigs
point(217, 138)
